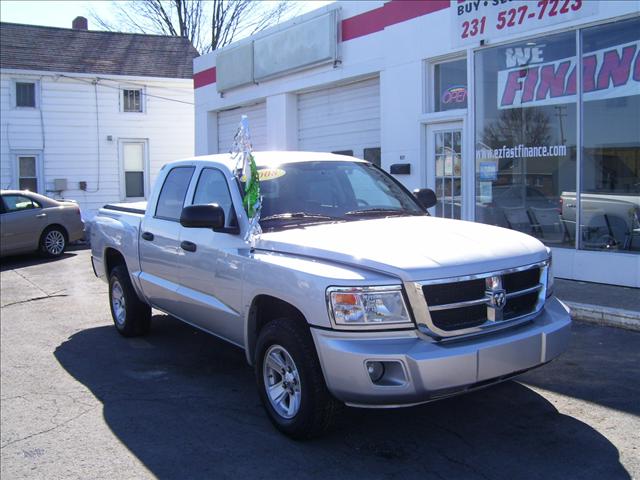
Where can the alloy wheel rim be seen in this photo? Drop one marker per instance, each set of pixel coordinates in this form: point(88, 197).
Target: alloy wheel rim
point(118, 303)
point(282, 381)
point(54, 242)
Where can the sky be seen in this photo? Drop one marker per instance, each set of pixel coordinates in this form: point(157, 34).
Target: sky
point(54, 13)
point(50, 13)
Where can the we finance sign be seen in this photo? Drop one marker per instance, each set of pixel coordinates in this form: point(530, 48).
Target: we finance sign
point(607, 73)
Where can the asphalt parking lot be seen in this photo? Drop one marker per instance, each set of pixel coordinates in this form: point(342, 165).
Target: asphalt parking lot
point(79, 401)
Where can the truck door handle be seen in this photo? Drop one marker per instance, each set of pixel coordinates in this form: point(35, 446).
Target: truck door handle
point(41, 215)
point(147, 236)
point(188, 246)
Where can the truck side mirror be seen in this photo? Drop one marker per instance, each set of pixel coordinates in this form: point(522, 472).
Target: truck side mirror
point(426, 197)
point(203, 216)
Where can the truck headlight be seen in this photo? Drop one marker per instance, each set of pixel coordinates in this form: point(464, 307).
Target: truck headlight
point(367, 306)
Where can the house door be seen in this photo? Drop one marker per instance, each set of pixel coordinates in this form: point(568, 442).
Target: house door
point(444, 148)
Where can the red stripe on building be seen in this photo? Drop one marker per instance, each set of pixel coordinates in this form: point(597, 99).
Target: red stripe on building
point(390, 13)
point(395, 11)
point(204, 77)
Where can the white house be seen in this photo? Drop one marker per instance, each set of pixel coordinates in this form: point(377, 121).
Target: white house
point(89, 115)
point(477, 100)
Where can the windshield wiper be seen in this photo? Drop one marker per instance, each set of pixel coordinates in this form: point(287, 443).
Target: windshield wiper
point(297, 215)
point(379, 211)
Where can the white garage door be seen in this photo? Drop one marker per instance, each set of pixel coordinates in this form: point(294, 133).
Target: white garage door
point(345, 118)
point(228, 121)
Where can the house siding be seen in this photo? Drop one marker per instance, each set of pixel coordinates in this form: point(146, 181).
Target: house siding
point(67, 134)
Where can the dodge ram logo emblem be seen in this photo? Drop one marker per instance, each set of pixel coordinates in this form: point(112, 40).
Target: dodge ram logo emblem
point(498, 298)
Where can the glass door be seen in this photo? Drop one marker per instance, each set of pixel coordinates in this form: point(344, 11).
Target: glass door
point(445, 152)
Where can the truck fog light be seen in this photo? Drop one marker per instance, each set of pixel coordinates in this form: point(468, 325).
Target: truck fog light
point(375, 370)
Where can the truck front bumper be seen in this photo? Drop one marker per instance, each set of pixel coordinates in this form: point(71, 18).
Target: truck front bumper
point(420, 369)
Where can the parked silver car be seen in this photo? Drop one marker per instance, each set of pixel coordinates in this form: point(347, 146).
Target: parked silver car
point(30, 222)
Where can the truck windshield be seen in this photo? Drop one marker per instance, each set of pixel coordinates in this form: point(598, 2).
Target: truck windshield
point(330, 191)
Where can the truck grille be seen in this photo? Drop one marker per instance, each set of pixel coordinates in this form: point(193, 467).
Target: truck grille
point(487, 299)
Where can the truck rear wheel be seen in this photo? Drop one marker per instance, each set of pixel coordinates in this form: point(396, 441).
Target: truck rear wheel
point(290, 381)
point(131, 316)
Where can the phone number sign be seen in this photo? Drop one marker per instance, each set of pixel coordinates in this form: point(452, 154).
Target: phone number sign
point(475, 20)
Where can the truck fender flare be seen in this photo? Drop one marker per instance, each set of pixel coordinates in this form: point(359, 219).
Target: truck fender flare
point(263, 309)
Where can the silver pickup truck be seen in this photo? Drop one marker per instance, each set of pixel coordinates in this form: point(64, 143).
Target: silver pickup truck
point(352, 294)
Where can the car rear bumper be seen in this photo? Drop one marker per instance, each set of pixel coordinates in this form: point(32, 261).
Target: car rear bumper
point(77, 233)
point(420, 369)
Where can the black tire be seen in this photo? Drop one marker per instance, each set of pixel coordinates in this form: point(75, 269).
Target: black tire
point(318, 409)
point(131, 316)
point(53, 242)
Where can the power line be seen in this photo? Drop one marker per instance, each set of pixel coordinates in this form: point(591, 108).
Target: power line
point(90, 82)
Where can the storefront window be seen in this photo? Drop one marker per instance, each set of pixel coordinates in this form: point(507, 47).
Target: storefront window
point(526, 136)
point(450, 85)
point(610, 176)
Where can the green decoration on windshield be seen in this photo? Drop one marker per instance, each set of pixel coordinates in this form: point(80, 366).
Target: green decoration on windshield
point(252, 189)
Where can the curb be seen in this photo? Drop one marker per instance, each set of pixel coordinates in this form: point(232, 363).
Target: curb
point(605, 316)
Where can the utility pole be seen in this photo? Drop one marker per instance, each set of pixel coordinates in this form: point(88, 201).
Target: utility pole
point(560, 114)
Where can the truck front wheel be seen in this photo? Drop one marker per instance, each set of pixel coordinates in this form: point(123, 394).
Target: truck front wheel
point(131, 316)
point(290, 381)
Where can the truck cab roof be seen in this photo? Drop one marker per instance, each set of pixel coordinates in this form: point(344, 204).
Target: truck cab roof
point(268, 158)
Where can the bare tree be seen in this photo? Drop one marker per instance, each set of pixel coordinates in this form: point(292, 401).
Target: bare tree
point(515, 126)
point(246, 17)
point(208, 24)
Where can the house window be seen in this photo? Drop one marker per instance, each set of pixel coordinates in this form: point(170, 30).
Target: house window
point(133, 156)
point(25, 94)
point(132, 100)
point(27, 173)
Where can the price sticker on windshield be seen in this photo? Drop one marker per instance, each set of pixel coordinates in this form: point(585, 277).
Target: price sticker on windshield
point(270, 174)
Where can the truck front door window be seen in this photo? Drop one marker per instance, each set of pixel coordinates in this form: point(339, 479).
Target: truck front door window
point(212, 188)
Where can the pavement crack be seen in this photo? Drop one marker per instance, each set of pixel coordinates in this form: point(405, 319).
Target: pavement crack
point(29, 281)
point(462, 463)
point(48, 429)
point(453, 433)
point(35, 299)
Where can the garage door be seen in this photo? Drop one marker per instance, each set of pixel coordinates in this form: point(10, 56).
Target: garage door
point(345, 118)
point(228, 121)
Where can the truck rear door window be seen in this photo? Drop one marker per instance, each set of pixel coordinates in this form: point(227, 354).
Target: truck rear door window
point(173, 193)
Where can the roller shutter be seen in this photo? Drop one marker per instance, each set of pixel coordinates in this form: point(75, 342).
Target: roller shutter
point(228, 121)
point(341, 119)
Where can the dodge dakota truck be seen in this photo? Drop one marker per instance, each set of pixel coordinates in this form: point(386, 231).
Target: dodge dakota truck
point(351, 294)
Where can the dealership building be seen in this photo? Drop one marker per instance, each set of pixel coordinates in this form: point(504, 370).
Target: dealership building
point(522, 114)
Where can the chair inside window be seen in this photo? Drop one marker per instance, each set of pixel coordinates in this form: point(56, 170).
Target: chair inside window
point(518, 219)
point(548, 225)
point(596, 232)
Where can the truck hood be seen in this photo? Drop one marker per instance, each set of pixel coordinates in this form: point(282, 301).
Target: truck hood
point(410, 248)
